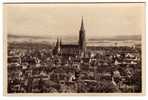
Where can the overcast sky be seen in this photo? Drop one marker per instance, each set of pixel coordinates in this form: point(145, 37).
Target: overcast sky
point(100, 20)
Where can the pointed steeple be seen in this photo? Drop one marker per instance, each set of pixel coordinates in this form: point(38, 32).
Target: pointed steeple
point(57, 43)
point(82, 25)
point(82, 42)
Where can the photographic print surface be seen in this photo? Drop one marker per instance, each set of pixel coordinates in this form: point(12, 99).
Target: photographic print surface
point(74, 48)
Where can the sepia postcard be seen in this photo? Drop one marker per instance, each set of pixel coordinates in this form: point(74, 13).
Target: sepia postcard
point(91, 49)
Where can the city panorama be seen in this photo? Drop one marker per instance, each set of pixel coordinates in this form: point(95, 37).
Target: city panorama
point(51, 51)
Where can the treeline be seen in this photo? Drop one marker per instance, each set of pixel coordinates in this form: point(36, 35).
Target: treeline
point(26, 45)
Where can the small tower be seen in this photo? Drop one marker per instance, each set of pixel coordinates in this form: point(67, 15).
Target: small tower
point(82, 41)
point(57, 48)
point(57, 43)
point(60, 42)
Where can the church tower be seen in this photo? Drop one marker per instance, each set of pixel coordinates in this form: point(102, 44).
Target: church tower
point(82, 41)
point(57, 48)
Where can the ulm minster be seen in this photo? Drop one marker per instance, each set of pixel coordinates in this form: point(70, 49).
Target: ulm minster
point(86, 66)
point(72, 49)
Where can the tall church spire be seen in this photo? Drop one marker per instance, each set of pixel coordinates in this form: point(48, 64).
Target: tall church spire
point(82, 25)
point(82, 41)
